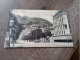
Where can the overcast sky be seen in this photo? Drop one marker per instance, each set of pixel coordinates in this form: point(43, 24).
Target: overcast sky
point(45, 14)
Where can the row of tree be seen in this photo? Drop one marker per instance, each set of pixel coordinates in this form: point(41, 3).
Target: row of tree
point(37, 34)
point(16, 28)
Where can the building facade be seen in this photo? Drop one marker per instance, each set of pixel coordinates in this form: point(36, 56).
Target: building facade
point(61, 26)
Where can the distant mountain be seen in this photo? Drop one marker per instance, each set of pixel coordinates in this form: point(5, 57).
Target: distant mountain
point(40, 21)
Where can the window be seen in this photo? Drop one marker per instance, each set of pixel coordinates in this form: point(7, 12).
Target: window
point(64, 31)
point(60, 27)
point(59, 32)
point(69, 26)
point(62, 20)
point(65, 26)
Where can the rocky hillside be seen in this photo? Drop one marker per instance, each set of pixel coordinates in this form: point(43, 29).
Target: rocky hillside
point(40, 21)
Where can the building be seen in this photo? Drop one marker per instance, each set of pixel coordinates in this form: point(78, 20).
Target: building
point(61, 26)
point(24, 20)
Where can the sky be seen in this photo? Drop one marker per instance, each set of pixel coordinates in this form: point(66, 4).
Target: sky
point(45, 14)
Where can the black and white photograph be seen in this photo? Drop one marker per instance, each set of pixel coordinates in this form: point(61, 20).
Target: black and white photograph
point(38, 28)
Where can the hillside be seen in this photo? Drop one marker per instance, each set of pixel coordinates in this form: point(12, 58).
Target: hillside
point(40, 21)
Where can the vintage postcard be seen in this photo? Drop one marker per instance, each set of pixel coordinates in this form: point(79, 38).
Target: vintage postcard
point(38, 28)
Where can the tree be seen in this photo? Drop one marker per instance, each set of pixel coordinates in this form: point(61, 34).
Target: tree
point(17, 27)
